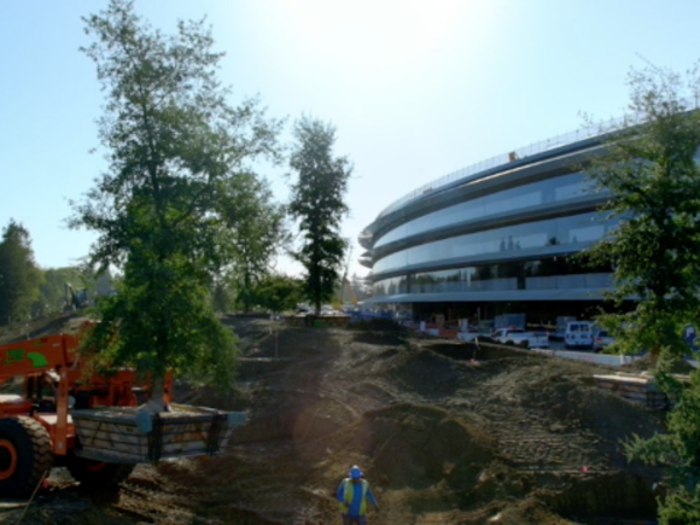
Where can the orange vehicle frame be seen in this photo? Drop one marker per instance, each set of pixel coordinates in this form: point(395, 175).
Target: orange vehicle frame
point(57, 355)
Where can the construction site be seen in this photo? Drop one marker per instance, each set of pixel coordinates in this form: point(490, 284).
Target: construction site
point(445, 431)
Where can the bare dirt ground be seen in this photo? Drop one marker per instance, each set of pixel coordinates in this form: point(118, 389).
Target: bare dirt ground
point(446, 434)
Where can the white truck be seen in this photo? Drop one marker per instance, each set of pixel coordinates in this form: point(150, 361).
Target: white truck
point(519, 337)
point(579, 334)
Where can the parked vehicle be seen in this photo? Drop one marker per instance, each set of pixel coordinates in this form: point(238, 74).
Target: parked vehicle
point(601, 339)
point(560, 328)
point(579, 334)
point(519, 337)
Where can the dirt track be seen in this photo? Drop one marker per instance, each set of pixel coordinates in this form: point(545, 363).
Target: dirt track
point(507, 437)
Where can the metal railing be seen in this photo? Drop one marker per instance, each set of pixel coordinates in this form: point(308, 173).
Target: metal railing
point(470, 172)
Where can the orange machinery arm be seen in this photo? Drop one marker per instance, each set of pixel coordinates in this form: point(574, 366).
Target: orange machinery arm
point(37, 355)
point(58, 353)
point(33, 357)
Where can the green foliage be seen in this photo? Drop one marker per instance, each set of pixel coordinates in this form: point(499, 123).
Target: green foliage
point(681, 507)
point(654, 184)
point(256, 232)
point(279, 293)
point(317, 202)
point(175, 143)
point(173, 328)
point(651, 172)
point(19, 274)
point(678, 451)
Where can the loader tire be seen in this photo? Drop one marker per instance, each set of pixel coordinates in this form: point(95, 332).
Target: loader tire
point(26, 455)
point(98, 474)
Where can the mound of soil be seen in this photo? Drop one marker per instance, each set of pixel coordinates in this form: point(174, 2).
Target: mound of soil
point(445, 433)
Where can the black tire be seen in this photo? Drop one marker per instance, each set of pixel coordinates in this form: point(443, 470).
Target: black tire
point(524, 344)
point(98, 474)
point(25, 455)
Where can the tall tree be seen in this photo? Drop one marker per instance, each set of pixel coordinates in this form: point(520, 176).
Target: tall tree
point(19, 274)
point(174, 143)
point(318, 203)
point(256, 229)
point(654, 180)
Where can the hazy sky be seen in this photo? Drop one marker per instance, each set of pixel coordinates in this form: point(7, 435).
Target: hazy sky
point(417, 89)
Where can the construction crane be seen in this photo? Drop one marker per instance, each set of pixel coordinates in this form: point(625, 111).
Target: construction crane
point(345, 284)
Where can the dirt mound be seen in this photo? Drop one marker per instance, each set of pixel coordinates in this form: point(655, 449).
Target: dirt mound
point(379, 338)
point(56, 324)
point(447, 433)
point(418, 447)
point(424, 372)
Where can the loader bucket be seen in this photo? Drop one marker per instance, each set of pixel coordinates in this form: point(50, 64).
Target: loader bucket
point(125, 435)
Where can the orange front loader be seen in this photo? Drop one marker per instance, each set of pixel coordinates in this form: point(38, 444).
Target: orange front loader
point(36, 428)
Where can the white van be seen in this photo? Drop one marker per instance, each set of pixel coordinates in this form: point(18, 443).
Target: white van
point(579, 334)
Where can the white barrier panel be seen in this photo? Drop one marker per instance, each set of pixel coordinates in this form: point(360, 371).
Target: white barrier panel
point(588, 357)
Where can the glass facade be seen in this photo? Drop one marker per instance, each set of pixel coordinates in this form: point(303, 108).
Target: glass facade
point(575, 229)
point(557, 189)
point(530, 261)
point(548, 273)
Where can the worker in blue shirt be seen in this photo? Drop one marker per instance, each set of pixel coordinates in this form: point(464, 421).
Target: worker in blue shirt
point(353, 493)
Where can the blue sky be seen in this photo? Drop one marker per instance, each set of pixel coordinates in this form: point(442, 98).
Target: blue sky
point(417, 89)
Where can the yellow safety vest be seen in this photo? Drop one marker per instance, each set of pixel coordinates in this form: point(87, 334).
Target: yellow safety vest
point(349, 492)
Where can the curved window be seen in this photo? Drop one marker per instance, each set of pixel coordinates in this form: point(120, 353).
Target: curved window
point(393, 286)
point(548, 273)
point(551, 190)
point(574, 229)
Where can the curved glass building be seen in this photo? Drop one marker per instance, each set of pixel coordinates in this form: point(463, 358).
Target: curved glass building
point(498, 237)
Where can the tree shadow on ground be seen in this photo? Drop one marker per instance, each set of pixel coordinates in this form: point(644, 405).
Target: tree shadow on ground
point(379, 338)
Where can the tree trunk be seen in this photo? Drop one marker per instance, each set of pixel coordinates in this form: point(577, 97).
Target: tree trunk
point(654, 353)
point(156, 402)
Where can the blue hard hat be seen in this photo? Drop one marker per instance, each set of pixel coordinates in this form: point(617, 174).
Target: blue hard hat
point(355, 472)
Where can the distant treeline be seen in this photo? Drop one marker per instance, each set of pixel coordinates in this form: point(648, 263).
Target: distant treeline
point(27, 291)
